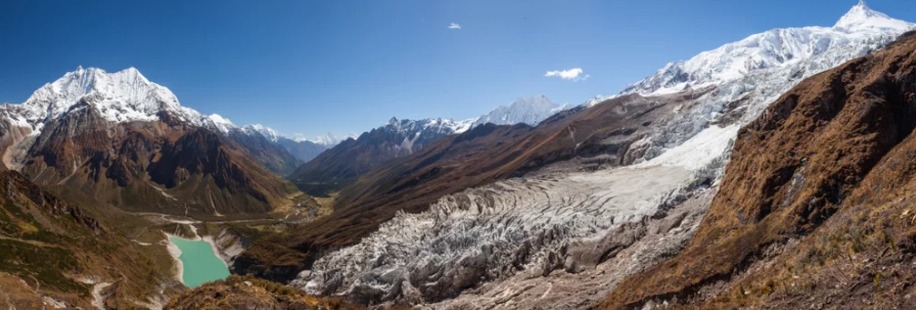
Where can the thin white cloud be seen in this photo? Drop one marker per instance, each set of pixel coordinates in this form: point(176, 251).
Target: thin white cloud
point(574, 74)
point(454, 26)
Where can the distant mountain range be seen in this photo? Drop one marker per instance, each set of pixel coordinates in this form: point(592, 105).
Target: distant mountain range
point(345, 162)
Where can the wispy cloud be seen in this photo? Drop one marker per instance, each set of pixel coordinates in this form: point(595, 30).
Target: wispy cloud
point(454, 26)
point(574, 74)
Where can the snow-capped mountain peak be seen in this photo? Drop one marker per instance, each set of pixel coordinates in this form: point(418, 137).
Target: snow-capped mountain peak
point(528, 110)
point(126, 91)
point(121, 96)
point(442, 125)
point(861, 17)
point(268, 133)
point(326, 140)
point(861, 29)
point(742, 78)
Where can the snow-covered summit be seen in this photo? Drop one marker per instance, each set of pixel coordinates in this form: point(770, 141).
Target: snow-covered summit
point(740, 79)
point(120, 97)
point(327, 140)
point(860, 27)
point(268, 133)
point(440, 125)
point(863, 18)
point(217, 122)
point(123, 96)
point(528, 110)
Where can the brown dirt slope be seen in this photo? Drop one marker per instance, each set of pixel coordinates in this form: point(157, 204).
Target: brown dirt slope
point(815, 206)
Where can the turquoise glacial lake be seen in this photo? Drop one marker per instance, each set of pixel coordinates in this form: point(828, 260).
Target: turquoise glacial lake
point(200, 264)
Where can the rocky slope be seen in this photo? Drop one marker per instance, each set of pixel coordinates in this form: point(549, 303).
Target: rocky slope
point(814, 208)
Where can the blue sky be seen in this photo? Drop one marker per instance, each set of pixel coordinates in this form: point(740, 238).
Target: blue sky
point(341, 66)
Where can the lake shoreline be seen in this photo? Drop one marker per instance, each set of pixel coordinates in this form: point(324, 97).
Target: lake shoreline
point(175, 252)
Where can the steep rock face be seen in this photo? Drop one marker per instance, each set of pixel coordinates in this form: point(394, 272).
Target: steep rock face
point(345, 162)
point(825, 169)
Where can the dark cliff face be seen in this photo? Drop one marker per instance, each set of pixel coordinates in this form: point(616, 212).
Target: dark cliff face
point(816, 201)
point(152, 166)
